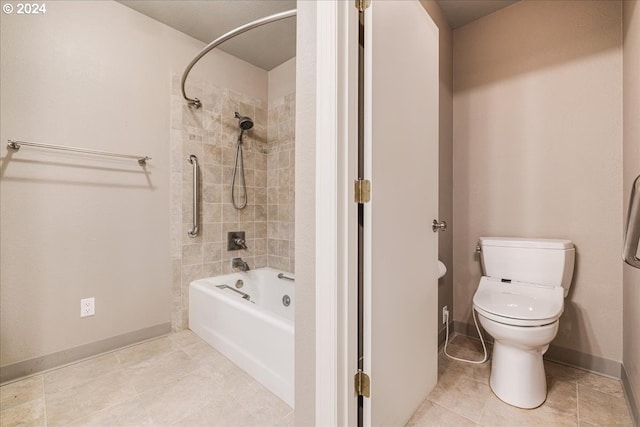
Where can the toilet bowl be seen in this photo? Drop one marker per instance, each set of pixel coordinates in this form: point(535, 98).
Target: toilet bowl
point(523, 320)
point(519, 303)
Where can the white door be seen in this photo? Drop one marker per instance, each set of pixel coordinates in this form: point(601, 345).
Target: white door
point(401, 160)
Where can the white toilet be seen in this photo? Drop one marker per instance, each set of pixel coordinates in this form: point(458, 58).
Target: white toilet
point(519, 302)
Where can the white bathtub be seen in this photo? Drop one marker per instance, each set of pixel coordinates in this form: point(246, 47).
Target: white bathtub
point(256, 334)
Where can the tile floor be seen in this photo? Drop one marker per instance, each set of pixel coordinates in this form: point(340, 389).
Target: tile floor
point(177, 380)
point(180, 381)
point(462, 396)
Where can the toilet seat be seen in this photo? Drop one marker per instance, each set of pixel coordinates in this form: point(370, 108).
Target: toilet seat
point(517, 303)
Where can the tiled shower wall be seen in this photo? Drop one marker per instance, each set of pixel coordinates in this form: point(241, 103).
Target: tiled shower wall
point(280, 183)
point(211, 133)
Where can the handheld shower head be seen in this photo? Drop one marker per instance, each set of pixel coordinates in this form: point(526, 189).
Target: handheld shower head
point(244, 122)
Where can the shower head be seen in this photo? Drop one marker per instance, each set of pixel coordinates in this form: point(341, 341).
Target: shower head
point(244, 122)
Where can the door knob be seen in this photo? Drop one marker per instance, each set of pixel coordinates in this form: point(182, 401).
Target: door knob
point(438, 225)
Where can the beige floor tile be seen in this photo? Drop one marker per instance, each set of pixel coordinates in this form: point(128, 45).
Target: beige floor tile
point(557, 371)
point(601, 384)
point(586, 424)
point(470, 344)
point(288, 421)
point(602, 409)
point(28, 414)
point(79, 373)
point(199, 350)
point(68, 405)
point(562, 396)
point(264, 405)
point(185, 338)
point(432, 414)
point(461, 395)
point(186, 396)
point(142, 352)
point(160, 370)
point(238, 385)
point(20, 392)
point(220, 413)
point(497, 413)
point(477, 371)
point(126, 414)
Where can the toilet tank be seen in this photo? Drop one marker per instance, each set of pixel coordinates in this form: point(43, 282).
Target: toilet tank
point(538, 261)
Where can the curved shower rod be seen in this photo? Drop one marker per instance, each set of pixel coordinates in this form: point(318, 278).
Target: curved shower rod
point(195, 102)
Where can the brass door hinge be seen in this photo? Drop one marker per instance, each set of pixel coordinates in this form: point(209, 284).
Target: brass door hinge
point(362, 384)
point(362, 191)
point(361, 5)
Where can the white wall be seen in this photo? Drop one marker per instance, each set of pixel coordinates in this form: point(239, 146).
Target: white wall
point(631, 314)
point(538, 152)
point(91, 74)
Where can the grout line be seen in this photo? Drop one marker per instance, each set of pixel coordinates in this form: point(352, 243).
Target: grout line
point(44, 404)
point(577, 403)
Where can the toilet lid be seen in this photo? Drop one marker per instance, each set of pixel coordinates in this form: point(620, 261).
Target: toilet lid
point(519, 301)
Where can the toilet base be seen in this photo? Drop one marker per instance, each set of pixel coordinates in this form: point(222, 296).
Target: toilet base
point(517, 375)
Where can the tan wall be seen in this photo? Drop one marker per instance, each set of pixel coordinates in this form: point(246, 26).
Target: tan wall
point(91, 74)
point(631, 314)
point(445, 154)
point(305, 218)
point(538, 152)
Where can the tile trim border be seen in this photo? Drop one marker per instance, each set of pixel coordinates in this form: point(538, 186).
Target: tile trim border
point(9, 373)
point(632, 402)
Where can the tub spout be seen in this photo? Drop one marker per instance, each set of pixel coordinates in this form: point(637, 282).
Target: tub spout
point(239, 263)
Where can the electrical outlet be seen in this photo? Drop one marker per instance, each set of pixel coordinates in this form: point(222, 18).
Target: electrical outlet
point(87, 307)
point(445, 314)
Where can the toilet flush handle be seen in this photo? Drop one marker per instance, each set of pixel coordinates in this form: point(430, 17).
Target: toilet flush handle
point(438, 225)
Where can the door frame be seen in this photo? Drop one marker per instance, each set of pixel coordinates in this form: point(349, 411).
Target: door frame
point(336, 154)
point(336, 211)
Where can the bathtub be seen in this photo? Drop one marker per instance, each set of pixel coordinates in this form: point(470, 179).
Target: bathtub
point(252, 325)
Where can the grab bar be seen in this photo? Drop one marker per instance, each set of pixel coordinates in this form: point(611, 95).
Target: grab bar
point(282, 276)
point(194, 161)
point(244, 296)
point(15, 146)
point(632, 233)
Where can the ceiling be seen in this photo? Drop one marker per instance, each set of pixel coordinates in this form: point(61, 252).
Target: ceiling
point(266, 47)
point(461, 12)
point(270, 45)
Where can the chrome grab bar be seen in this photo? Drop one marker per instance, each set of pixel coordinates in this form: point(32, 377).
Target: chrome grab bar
point(244, 296)
point(15, 145)
point(632, 233)
point(194, 161)
point(282, 276)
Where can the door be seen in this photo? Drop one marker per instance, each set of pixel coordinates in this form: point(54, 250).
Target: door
point(400, 249)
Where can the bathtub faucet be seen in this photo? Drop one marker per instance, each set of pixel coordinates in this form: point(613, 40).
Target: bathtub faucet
point(239, 263)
